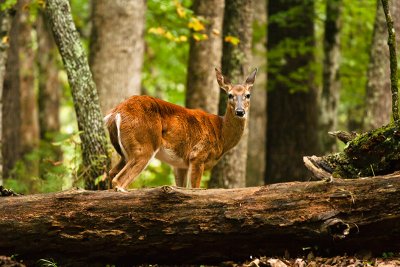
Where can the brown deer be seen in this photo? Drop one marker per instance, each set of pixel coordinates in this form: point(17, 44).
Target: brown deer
point(190, 140)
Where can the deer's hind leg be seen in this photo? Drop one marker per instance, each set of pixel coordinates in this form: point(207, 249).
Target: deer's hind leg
point(117, 168)
point(133, 167)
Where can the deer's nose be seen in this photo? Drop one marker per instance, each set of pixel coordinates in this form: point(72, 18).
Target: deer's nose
point(240, 112)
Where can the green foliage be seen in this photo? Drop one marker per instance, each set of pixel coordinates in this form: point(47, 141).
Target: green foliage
point(7, 4)
point(55, 175)
point(164, 70)
point(80, 10)
point(356, 38)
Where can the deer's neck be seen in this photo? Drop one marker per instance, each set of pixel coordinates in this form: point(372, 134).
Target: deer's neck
point(232, 129)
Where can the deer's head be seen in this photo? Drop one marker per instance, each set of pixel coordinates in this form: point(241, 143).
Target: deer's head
point(238, 94)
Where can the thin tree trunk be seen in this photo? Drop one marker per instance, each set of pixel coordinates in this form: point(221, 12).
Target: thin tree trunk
point(256, 153)
point(29, 132)
point(378, 96)
point(175, 226)
point(5, 26)
point(84, 93)
point(230, 172)
point(117, 49)
point(11, 123)
point(292, 94)
point(49, 84)
point(331, 82)
point(202, 87)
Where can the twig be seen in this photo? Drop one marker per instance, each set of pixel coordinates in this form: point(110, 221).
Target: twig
point(393, 60)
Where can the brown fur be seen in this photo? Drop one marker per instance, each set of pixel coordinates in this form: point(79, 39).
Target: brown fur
point(189, 140)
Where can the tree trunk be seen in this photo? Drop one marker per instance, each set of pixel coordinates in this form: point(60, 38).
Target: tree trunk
point(257, 144)
point(202, 87)
point(331, 82)
point(158, 225)
point(230, 172)
point(117, 49)
point(378, 96)
point(11, 121)
point(5, 26)
point(84, 93)
point(49, 85)
point(292, 95)
point(29, 132)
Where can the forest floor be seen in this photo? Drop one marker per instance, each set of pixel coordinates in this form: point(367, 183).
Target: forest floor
point(311, 261)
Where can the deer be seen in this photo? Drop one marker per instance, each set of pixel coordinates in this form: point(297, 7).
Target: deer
point(190, 140)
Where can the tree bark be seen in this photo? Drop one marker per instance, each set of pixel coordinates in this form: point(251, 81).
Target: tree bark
point(230, 172)
point(117, 49)
point(292, 94)
point(84, 93)
point(158, 225)
point(202, 87)
point(29, 131)
point(392, 60)
point(257, 143)
point(29, 112)
point(331, 83)
point(11, 113)
point(378, 96)
point(49, 84)
point(5, 26)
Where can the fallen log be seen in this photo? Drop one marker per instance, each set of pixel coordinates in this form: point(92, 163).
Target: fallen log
point(169, 225)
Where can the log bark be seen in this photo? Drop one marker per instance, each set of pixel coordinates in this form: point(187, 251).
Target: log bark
point(168, 225)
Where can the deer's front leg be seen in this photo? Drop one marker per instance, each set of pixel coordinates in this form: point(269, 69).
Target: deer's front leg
point(196, 170)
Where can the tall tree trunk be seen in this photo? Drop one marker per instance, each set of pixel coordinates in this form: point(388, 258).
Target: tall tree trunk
point(11, 121)
point(230, 172)
point(378, 95)
point(117, 48)
point(292, 95)
point(29, 132)
point(5, 26)
point(49, 85)
point(258, 110)
point(49, 94)
point(202, 87)
point(84, 93)
point(331, 82)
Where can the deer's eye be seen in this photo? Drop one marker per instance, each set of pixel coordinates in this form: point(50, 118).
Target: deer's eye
point(230, 96)
point(247, 96)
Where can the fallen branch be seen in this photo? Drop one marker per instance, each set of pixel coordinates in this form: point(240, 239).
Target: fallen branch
point(169, 225)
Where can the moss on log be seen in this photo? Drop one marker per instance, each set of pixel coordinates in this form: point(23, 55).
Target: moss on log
point(376, 152)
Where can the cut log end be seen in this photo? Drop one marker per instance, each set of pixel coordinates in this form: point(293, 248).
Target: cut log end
point(318, 168)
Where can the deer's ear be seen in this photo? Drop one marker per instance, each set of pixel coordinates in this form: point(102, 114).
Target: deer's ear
point(223, 82)
point(252, 77)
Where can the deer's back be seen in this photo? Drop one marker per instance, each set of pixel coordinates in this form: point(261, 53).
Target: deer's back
point(175, 132)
